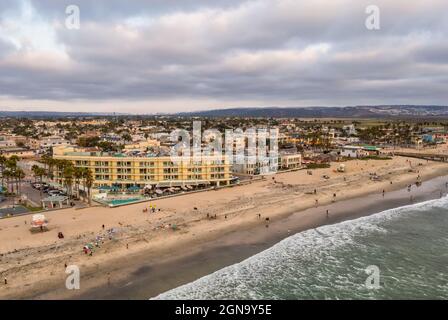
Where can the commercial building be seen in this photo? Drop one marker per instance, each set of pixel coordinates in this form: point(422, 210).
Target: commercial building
point(22, 153)
point(290, 160)
point(124, 171)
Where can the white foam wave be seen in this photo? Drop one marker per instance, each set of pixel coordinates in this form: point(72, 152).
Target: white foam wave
point(246, 278)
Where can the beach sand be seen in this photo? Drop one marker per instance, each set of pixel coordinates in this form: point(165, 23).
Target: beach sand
point(147, 257)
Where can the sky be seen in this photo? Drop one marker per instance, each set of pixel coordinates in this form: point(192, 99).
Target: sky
point(157, 56)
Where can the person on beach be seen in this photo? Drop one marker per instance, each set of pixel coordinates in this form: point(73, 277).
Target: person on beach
point(328, 213)
point(103, 226)
point(317, 202)
point(259, 216)
point(6, 281)
point(384, 191)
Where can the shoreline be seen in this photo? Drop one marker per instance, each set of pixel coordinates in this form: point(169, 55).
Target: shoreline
point(166, 260)
point(150, 279)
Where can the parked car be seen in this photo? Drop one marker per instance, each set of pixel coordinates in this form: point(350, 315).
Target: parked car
point(36, 185)
point(54, 192)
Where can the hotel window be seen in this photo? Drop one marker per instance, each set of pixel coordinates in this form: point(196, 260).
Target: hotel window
point(170, 177)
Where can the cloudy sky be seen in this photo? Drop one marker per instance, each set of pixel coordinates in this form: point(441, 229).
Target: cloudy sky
point(147, 56)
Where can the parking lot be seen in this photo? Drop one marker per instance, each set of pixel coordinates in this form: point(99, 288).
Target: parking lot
point(34, 195)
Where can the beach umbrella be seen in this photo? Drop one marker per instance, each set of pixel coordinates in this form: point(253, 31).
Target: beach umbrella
point(134, 188)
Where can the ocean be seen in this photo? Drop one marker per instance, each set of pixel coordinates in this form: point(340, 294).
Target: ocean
point(400, 253)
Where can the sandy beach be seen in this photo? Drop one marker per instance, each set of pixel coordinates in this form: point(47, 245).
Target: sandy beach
point(146, 256)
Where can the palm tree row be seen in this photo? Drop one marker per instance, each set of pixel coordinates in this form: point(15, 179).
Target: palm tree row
point(11, 173)
point(70, 176)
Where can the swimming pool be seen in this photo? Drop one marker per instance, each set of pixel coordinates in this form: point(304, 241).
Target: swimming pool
point(118, 202)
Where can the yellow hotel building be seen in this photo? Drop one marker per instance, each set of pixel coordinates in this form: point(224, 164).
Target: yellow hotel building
point(127, 171)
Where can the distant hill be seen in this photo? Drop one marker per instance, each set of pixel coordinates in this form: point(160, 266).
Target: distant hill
point(381, 112)
point(402, 111)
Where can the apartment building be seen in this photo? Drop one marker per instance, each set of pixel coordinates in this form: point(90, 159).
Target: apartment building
point(127, 171)
point(22, 153)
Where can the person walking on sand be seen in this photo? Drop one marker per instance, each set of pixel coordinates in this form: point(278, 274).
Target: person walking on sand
point(384, 191)
point(328, 213)
point(317, 202)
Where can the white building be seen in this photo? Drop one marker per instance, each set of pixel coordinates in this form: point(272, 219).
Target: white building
point(52, 141)
point(350, 129)
point(353, 152)
point(290, 160)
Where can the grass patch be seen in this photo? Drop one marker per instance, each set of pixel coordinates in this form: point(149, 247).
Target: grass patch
point(375, 158)
point(33, 209)
point(318, 166)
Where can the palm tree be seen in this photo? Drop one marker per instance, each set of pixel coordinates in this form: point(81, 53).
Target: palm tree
point(11, 167)
point(2, 168)
point(67, 174)
point(7, 175)
point(19, 176)
point(78, 175)
point(39, 173)
point(88, 177)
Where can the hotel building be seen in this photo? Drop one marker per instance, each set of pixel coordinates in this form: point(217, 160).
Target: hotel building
point(125, 171)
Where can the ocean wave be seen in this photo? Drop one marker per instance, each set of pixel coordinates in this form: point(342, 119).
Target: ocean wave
point(285, 270)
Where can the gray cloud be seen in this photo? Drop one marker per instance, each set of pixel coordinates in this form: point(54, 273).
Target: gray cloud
point(269, 52)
